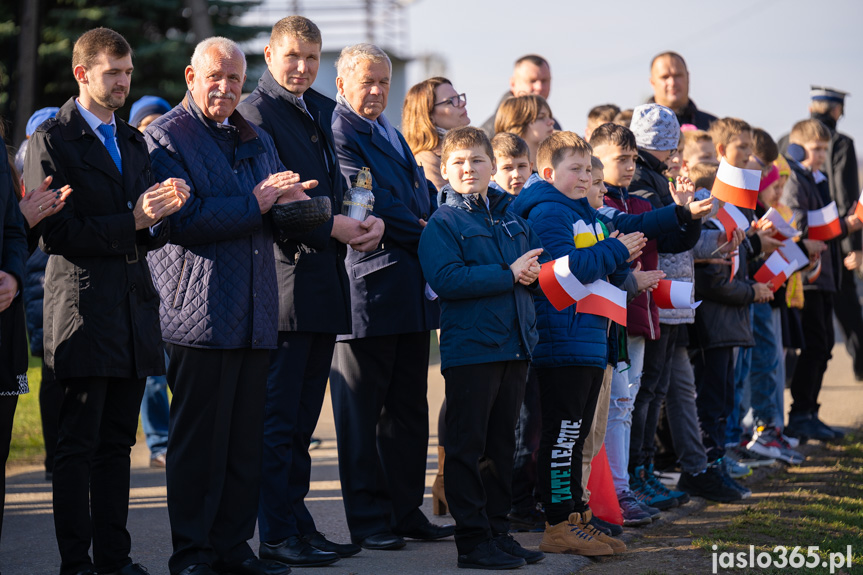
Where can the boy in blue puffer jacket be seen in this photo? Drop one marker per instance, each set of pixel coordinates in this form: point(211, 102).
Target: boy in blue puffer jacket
point(574, 348)
point(481, 261)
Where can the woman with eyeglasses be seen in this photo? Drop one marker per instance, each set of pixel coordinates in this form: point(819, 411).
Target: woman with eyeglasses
point(431, 108)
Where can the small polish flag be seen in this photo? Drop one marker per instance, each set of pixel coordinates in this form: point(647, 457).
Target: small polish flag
point(559, 285)
point(784, 230)
point(604, 300)
point(735, 264)
point(736, 186)
point(793, 254)
point(824, 223)
point(775, 270)
point(671, 294)
point(730, 218)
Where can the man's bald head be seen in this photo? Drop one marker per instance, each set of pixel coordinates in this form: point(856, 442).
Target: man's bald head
point(670, 80)
point(530, 75)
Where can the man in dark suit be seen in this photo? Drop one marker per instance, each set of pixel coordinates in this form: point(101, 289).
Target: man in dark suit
point(101, 308)
point(314, 301)
point(379, 376)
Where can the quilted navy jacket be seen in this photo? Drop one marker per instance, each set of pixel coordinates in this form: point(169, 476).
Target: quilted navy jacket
point(216, 279)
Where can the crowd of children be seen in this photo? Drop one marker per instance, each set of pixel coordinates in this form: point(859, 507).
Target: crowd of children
point(537, 226)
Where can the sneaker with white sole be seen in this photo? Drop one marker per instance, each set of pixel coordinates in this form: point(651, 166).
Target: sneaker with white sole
point(633, 514)
point(746, 457)
point(768, 442)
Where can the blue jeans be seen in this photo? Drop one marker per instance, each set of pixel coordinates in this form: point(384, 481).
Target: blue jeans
point(624, 389)
point(767, 375)
point(154, 413)
point(736, 425)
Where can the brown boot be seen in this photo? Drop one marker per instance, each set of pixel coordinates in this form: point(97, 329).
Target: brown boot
point(583, 522)
point(568, 538)
point(439, 506)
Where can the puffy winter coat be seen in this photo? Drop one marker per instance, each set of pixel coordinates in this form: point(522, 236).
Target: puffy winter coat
point(465, 252)
point(216, 278)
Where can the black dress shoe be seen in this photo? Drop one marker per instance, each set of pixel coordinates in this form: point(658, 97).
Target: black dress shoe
point(343, 550)
point(131, 569)
point(252, 566)
point(382, 541)
point(295, 551)
point(428, 532)
point(487, 555)
point(198, 569)
point(507, 543)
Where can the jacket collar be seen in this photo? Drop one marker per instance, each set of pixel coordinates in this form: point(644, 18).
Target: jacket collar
point(236, 122)
point(616, 192)
point(651, 162)
point(364, 126)
point(497, 201)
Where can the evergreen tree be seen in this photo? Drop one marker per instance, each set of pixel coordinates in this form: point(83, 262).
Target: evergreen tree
point(159, 32)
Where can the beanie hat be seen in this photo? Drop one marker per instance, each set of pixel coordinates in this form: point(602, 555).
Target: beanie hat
point(655, 127)
point(767, 180)
point(38, 117)
point(146, 106)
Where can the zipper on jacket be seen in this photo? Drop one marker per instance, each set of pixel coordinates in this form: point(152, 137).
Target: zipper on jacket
point(180, 282)
point(650, 319)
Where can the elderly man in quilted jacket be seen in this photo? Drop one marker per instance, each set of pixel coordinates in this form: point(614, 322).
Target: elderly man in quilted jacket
point(219, 311)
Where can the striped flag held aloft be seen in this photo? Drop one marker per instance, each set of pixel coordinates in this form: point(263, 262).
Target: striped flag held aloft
point(736, 186)
point(824, 223)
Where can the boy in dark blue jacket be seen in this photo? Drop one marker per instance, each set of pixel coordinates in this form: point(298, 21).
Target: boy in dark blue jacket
point(481, 261)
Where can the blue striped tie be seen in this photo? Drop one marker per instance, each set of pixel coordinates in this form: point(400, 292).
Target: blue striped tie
point(107, 132)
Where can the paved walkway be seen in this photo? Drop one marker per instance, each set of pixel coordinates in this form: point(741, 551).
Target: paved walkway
point(29, 547)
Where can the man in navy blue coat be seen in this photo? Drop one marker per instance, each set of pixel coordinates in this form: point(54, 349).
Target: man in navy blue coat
point(379, 375)
point(314, 299)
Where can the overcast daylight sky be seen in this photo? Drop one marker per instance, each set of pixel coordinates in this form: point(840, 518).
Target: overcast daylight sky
point(753, 59)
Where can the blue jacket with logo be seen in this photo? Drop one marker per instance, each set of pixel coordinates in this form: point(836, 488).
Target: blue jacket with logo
point(465, 253)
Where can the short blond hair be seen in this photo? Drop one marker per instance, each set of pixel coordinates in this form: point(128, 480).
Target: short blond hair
point(509, 145)
point(515, 114)
point(558, 146)
point(692, 138)
point(703, 175)
point(806, 131)
point(723, 130)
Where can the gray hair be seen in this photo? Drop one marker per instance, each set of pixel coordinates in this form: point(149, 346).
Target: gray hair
point(351, 55)
point(225, 47)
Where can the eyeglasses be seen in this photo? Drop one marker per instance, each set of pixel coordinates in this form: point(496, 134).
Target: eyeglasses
point(455, 101)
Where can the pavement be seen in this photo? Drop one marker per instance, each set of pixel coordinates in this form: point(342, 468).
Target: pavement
point(29, 547)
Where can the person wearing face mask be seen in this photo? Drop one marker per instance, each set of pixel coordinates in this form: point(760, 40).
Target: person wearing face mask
point(432, 108)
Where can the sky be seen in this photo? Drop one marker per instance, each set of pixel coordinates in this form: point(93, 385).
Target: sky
point(752, 59)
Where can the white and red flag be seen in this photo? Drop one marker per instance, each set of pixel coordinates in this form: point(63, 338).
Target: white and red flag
point(559, 285)
point(775, 270)
point(670, 294)
point(824, 223)
point(735, 264)
point(793, 254)
point(604, 300)
point(736, 186)
point(729, 218)
point(858, 210)
point(784, 230)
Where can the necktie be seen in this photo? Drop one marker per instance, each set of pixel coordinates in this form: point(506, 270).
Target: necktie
point(107, 132)
point(305, 108)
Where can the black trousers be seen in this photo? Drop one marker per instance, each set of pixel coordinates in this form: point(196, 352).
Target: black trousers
point(296, 384)
point(648, 403)
point(714, 383)
point(215, 439)
point(850, 316)
point(50, 399)
point(527, 432)
point(97, 425)
point(483, 401)
point(818, 341)
point(8, 403)
point(568, 397)
point(378, 387)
